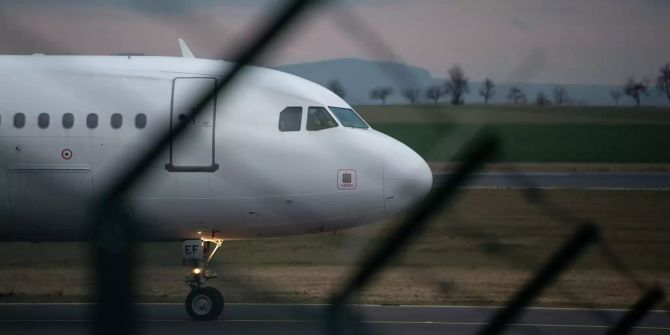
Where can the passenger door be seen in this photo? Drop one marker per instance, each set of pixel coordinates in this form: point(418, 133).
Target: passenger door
point(194, 150)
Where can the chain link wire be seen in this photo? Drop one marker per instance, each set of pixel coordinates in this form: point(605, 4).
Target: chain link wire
point(114, 238)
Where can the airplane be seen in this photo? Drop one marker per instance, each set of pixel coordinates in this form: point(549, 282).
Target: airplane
point(277, 155)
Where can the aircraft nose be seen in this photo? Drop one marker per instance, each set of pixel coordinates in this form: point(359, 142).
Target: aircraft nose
point(407, 178)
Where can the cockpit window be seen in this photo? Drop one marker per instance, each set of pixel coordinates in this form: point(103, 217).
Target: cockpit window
point(290, 119)
point(349, 118)
point(318, 118)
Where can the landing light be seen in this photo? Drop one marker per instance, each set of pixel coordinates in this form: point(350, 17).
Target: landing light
point(197, 271)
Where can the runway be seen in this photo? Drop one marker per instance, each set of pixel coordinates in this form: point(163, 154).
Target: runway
point(275, 319)
point(581, 180)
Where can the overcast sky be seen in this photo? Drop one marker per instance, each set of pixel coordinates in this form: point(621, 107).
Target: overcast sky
point(538, 41)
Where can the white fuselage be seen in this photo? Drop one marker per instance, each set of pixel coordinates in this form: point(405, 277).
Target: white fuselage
point(233, 174)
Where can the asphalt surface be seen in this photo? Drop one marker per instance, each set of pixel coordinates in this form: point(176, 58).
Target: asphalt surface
point(309, 319)
point(590, 180)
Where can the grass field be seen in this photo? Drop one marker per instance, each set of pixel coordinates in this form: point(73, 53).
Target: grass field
point(510, 114)
point(533, 134)
point(478, 253)
point(540, 143)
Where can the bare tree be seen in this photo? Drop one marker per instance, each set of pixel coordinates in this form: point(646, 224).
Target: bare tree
point(411, 94)
point(457, 85)
point(663, 80)
point(616, 95)
point(487, 90)
point(516, 95)
point(435, 92)
point(542, 100)
point(336, 87)
point(561, 96)
point(636, 89)
point(381, 93)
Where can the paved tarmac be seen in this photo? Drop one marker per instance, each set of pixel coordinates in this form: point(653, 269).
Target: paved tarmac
point(275, 319)
point(590, 180)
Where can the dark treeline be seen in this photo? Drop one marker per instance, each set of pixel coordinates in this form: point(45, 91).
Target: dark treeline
point(457, 86)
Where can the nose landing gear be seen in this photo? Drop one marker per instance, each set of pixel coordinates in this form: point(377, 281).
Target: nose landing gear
point(204, 303)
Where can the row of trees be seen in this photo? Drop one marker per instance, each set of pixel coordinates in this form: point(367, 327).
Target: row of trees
point(518, 97)
point(457, 86)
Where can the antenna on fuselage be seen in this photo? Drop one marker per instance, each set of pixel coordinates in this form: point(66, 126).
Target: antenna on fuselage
point(185, 51)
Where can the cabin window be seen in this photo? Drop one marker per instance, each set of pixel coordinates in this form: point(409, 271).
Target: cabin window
point(68, 120)
point(92, 121)
point(117, 121)
point(349, 118)
point(318, 118)
point(43, 120)
point(19, 120)
point(290, 119)
point(141, 121)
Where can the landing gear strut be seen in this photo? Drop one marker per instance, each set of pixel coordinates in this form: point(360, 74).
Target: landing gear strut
point(203, 303)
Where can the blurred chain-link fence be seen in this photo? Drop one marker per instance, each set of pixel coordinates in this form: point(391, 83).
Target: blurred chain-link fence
point(575, 235)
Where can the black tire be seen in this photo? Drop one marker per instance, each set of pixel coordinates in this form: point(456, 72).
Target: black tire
point(204, 304)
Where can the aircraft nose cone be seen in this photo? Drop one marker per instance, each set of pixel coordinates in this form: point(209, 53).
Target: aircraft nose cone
point(407, 179)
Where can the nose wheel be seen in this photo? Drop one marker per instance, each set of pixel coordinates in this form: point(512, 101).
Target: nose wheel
point(203, 303)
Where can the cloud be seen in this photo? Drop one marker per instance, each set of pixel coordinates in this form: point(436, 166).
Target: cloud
point(143, 6)
point(520, 24)
point(569, 41)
